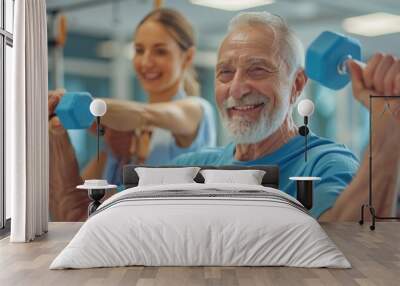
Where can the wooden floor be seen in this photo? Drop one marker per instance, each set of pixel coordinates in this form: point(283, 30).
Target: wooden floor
point(375, 257)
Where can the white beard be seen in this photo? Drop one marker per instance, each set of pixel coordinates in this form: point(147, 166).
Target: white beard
point(244, 131)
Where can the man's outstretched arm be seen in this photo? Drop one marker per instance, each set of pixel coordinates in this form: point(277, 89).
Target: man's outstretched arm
point(385, 172)
point(380, 77)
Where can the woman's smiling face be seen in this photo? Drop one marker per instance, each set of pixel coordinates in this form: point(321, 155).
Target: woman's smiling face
point(159, 61)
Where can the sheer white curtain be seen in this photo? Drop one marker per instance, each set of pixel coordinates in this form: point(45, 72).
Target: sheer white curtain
point(26, 121)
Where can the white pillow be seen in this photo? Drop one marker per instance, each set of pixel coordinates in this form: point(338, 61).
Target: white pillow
point(248, 177)
point(163, 176)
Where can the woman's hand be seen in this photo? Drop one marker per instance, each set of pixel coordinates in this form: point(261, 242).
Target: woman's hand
point(121, 143)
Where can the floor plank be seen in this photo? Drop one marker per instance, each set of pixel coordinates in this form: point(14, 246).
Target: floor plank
point(374, 255)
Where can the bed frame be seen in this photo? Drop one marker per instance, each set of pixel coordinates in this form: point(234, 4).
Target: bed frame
point(270, 179)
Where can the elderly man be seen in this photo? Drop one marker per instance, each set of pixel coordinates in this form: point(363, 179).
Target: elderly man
point(259, 77)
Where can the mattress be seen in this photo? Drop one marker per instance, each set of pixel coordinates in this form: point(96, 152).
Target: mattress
point(201, 225)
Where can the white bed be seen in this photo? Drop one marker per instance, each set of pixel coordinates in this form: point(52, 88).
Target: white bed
point(249, 225)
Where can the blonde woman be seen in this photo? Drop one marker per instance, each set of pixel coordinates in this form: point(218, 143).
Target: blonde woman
point(178, 120)
point(174, 121)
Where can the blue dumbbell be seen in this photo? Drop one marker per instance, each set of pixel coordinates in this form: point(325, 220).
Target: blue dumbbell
point(326, 59)
point(73, 110)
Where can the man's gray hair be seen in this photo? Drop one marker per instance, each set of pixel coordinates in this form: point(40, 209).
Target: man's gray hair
point(292, 49)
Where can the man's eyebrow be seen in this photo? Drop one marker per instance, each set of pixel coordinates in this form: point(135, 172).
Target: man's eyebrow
point(263, 61)
point(223, 63)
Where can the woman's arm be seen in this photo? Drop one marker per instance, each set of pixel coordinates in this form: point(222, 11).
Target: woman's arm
point(181, 117)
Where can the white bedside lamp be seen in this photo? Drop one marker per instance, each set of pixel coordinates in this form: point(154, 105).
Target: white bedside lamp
point(98, 108)
point(305, 109)
point(305, 184)
point(96, 188)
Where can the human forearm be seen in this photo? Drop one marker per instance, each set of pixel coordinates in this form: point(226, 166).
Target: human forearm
point(180, 117)
point(123, 115)
point(385, 171)
point(66, 203)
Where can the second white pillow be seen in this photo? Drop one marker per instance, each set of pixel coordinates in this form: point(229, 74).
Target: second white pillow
point(248, 177)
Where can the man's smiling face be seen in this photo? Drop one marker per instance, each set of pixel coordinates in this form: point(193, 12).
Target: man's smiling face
point(252, 84)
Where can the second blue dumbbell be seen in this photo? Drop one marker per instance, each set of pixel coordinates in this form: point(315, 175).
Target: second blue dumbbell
point(73, 110)
point(327, 56)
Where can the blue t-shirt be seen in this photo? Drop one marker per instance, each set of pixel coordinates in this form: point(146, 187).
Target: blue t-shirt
point(334, 163)
point(163, 148)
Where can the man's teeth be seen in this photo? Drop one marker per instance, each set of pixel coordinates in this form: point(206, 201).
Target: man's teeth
point(246, 107)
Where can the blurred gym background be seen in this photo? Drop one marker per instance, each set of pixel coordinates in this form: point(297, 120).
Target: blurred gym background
point(90, 49)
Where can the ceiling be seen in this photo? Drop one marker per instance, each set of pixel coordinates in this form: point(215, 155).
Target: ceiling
point(307, 17)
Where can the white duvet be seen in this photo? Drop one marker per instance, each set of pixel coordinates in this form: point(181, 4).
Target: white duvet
point(227, 231)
